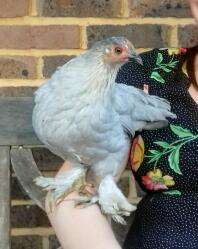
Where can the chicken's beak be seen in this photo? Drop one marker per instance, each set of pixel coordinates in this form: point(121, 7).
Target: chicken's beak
point(136, 57)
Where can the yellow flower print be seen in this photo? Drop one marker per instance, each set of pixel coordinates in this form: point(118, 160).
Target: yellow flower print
point(155, 181)
point(137, 153)
point(176, 51)
point(168, 180)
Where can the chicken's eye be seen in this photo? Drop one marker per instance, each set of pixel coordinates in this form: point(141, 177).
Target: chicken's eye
point(118, 50)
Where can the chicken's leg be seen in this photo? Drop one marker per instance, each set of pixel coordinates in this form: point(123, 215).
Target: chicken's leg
point(112, 201)
point(62, 185)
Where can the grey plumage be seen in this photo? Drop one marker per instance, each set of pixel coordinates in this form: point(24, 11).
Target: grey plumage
point(83, 116)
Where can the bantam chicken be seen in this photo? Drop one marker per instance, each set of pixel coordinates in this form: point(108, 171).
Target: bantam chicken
point(82, 115)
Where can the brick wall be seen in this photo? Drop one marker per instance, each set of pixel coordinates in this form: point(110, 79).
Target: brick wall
point(36, 36)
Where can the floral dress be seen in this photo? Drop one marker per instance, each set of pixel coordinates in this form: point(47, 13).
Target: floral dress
point(165, 161)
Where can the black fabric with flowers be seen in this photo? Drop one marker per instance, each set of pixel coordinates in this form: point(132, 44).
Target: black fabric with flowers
point(165, 161)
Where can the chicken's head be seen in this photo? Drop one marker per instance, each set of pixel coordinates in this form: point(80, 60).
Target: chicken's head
point(116, 50)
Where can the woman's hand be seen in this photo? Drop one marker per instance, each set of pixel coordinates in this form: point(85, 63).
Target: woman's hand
point(81, 228)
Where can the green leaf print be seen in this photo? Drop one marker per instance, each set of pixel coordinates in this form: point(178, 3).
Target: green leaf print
point(160, 66)
point(172, 192)
point(157, 76)
point(173, 160)
point(154, 159)
point(172, 149)
point(159, 58)
point(163, 144)
point(154, 152)
point(181, 132)
point(165, 69)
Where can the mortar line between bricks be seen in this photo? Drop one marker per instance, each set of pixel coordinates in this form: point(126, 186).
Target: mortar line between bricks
point(33, 8)
point(45, 243)
point(83, 37)
point(39, 68)
point(132, 189)
point(49, 173)
point(22, 203)
point(30, 8)
point(20, 82)
point(44, 52)
point(126, 173)
point(46, 21)
point(40, 52)
point(173, 39)
point(124, 8)
point(42, 231)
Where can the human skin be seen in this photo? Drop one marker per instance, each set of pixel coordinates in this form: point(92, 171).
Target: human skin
point(194, 8)
point(81, 228)
point(192, 90)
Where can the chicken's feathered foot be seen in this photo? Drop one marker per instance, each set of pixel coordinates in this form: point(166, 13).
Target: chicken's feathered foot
point(60, 186)
point(110, 199)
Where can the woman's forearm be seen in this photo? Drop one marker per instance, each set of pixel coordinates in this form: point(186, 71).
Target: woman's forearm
point(81, 228)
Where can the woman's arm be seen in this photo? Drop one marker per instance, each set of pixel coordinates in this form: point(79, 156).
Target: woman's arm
point(194, 8)
point(81, 228)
